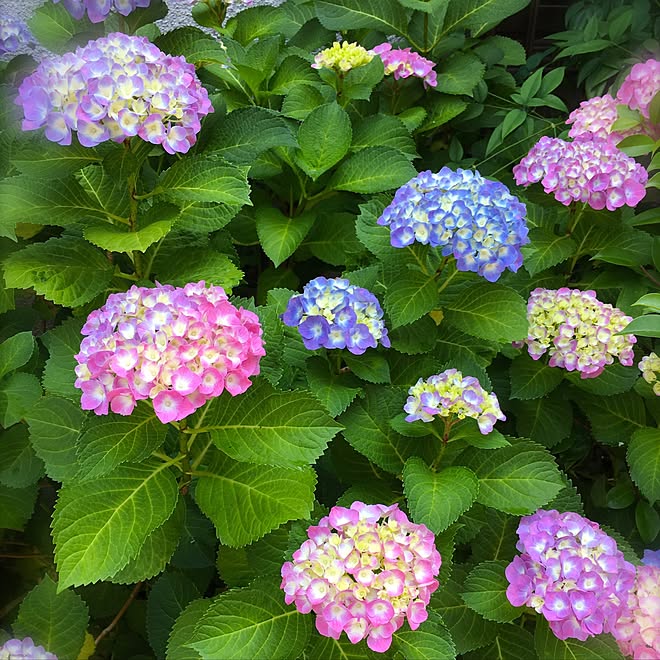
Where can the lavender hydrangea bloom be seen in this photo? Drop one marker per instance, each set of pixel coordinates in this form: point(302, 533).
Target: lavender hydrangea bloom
point(14, 33)
point(335, 314)
point(651, 558)
point(571, 572)
point(24, 649)
point(475, 219)
point(115, 88)
point(98, 10)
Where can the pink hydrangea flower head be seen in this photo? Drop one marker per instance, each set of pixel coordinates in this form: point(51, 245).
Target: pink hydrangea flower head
point(364, 570)
point(24, 649)
point(114, 88)
point(595, 117)
point(590, 170)
point(640, 86)
point(450, 394)
point(403, 63)
point(637, 632)
point(98, 10)
point(178, 347)
point(577, 331)
point(571, 572)
point(649, 365)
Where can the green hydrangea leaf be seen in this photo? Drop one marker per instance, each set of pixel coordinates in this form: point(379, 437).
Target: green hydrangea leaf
point(438, 499)
point(485, 592)
point(56, 621)
point(246, 501)
point(15, 352)
point(55, 425)
point(251, 622)
point(110, 440)
point(263, 425)
point(643, 458)
point(19, 465)
point(68, 271)
point(99, 526)
point(517, 479)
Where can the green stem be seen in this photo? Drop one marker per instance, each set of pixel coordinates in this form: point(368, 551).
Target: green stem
point(572, 225)
point(447, 281)
point(552, 126)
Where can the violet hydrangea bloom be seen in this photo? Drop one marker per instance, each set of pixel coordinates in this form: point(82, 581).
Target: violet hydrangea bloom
point(114, 88)
point(24, 649)
point(476, 220)
point(363, 571)
point(651, 558)
point(640, 86)
point(571, 572)
point(98, 10)
point(637, 632)
point(403, 63)
point(590, 170)
point(179, 347)
point(577, 331)
point(449, 393)
point(649, 365)
point(335, 314)
point(14, 34)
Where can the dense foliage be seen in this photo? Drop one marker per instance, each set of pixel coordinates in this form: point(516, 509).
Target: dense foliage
point(324, 335)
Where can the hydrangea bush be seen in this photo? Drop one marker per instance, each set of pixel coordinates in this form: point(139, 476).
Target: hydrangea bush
point(297, 360)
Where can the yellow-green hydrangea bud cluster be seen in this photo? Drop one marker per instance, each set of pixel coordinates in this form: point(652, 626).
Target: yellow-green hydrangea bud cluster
point(649, 365)
point(342, 57)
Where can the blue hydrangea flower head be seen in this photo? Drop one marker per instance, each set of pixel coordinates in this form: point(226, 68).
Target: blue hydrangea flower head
point(476, 220)
point(335, 314)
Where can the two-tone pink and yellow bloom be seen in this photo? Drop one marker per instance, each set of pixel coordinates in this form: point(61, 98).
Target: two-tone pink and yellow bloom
point(637, 632)
point(115, 88)
point(577, 331)
point(178, 347)
point(364, 570)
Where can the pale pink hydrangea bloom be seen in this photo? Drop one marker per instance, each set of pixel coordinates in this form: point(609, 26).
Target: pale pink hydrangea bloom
point(363, 571)
point(178, 347)
point(596, 117)
point(590, 170)
point(403, 63)
point(638, 632)
point(640, 86)
point(577, 331)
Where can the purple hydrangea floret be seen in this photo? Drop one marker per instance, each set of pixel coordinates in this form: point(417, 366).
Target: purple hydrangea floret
point(476, 220)
point(335, 314)
point(14, 34)
point(98, 10)
point(114, 88)
point(571, 572)
point(24, 649)
point(651, 558)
